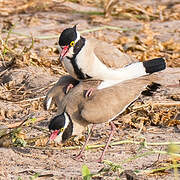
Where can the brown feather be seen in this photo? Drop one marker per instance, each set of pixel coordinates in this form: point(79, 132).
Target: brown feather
point(109, 55)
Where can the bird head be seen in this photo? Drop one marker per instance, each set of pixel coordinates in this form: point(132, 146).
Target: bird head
point(61, 127)
point(67, 41)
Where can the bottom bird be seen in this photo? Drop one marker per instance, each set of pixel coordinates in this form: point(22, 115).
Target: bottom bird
point(75, 112)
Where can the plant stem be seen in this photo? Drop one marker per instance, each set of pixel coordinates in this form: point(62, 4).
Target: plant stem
point(149, 153)
point(123, 142)
point(82, 32)
point(132, 142)
point(161, 169)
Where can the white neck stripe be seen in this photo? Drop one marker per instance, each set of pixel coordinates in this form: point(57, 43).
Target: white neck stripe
point(78, 37)
point(67, 120)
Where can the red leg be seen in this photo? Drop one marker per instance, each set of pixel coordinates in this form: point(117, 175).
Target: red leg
point(113, 128)
point(70, 86)
point(89, 92)
point(84, 146)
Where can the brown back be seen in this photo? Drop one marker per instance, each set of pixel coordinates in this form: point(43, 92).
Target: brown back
point(110, 55)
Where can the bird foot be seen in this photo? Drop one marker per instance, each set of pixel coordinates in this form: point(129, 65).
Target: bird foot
point(80, 156)
point(70, 86)
point(89, 92)
point(99, 160)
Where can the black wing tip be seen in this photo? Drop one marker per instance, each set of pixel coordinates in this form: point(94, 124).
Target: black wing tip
point(154, 65)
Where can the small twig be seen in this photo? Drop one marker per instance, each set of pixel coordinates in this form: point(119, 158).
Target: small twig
point(10, 50)
point(3, 72)
point(40, 129)
point(105, 27)
point(139, 107)
point(25, 50)
point(43, 88)
point(141, 10)
point(154, 161)
point(165, 103)
point(20, 123)
point(32, 99)
point(148, 153)
point(160, 169)
point(2, 57)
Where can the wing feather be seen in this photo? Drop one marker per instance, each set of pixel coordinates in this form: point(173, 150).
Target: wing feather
point(110, 55)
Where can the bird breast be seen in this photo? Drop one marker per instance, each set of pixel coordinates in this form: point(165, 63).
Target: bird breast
point(89, 64)
point(69, 67)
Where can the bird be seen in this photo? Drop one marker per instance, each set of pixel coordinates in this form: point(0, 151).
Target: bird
point(92, 59)
point(75, 112)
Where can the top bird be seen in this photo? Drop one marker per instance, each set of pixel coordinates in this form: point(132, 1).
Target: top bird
point(92, 59)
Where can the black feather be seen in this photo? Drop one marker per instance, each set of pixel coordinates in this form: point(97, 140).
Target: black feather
point(57, 122)
point(67, 36)
point(154, 65)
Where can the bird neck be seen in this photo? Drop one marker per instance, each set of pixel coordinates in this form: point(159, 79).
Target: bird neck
point(78, 46)
point(68, 130)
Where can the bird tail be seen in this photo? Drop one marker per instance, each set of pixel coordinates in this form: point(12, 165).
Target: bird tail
point(134, 70)
point(154, 65)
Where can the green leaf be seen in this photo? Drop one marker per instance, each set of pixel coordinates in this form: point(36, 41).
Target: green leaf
point(86, 173)
point(85, 170)
point(36, 175)
point(33, 120)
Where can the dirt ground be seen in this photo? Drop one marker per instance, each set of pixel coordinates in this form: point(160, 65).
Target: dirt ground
point(29, 67)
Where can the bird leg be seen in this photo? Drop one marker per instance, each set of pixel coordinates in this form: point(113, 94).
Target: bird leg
point(84, 146)
point(89, 92)
point(113, 128)
point(70, 86)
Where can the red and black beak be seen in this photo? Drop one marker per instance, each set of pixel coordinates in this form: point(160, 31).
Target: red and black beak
point(54, 135)
point(63, 53)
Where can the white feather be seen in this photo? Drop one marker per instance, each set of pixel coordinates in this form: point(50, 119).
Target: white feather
point(109, 83)
point(48, 104)
point(67, 120)
point(78, 37)
point(131, 71)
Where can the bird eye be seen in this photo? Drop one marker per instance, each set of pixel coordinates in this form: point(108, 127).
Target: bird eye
point(72, 43)
point(62, 129)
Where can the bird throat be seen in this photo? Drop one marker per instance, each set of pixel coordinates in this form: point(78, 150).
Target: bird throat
point(77, 48)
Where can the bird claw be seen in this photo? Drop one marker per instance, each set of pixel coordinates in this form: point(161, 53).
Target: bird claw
point(89, 92)
point(70, 86)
